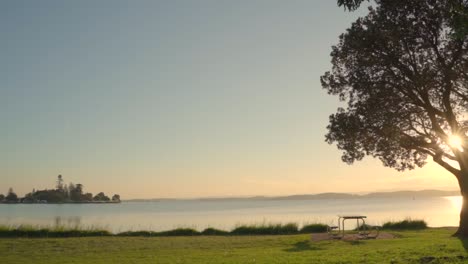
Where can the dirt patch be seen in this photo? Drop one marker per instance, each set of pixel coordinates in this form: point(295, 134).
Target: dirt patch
point(349, 237)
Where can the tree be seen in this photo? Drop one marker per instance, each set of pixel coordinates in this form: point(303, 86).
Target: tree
point(87, 197)
point(116, 198)
point(79, 188)
point(2, 197)
point(60, 183)
point(101, 197)
point(458, 11)
point(350, 4)
point(403, 72)
point(11, 196)
point(76, 192)
point(66, 192)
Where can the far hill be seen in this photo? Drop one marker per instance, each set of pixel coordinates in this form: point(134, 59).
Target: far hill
point(415, 194)
point(320, 196)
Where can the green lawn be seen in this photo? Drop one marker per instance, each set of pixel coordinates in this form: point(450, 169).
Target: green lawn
point(427, 246)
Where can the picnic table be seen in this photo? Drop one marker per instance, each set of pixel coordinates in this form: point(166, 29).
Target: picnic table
point(361, 226)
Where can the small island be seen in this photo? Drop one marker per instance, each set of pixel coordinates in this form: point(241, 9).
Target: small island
point(63, 193)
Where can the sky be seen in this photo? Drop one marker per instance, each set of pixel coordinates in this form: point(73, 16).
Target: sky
point(179, 98)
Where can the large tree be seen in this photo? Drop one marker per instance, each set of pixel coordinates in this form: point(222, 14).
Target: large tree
point(403, 72)
point(11, 196)
point(458, 9)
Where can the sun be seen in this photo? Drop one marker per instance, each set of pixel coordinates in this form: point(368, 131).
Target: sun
point(457, 201)
point(456, 142)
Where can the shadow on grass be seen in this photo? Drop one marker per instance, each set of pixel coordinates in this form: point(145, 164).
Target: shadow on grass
point(464, 242)
point(354, 242)
point(302, 246)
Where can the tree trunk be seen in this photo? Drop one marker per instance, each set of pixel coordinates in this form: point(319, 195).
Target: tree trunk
point(463, 227)
point(463, 182)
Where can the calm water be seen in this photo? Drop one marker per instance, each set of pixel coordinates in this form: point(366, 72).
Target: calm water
point(440, 211)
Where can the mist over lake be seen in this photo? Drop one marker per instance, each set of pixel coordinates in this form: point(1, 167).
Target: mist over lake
point(227, 213)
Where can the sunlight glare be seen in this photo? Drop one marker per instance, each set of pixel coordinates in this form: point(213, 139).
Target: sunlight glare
point(456, 201)
point(455, 142)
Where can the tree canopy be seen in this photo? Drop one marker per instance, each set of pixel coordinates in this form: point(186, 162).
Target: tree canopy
point(458, 9)
point(403, 72)
point(350, 4)
point(405, 80)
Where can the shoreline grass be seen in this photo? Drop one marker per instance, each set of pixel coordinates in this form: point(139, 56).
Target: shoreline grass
point(407, 224)
point(240, 230)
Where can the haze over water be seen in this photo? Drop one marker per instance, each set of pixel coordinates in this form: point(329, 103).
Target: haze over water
point(226, 214)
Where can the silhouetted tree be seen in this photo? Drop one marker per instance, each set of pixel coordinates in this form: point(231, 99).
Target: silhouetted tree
point(76, 192)
point(101, 197)
point(66, 191)
point(458, 11)
point(71, 189)
point(60, 183)
point(116, 198)
point(403, 72)
point(350, 4)
point(11, 196)
point(2, 197)
point(87, 197)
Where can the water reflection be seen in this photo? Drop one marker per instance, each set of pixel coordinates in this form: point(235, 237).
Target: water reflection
point(73, 221)
point(456, 201)
point(226, 214)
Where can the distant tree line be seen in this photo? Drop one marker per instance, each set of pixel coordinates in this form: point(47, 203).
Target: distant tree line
point(71, 193)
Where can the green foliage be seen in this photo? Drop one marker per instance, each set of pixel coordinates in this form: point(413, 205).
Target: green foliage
point(261, 229)
point(51, 196)
point(11, 196)
point(101, 197)
point(313, 228)
point(137, 233)
point(116, 198)
point(407, 224)
point(364, 227)
point(214, 232)
point(180, 232)
point(174, 232)
point(271, 229)
point(36, 232)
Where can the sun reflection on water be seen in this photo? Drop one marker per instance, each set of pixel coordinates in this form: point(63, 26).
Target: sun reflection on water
point(456, 201)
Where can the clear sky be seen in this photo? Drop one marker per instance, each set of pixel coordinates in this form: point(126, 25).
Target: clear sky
point(177, 99)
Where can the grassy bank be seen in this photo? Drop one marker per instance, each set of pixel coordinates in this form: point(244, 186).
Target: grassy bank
point(425, 246)
point(262, 229)
point(23, 231)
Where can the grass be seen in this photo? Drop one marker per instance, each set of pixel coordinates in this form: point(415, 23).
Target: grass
point(266, 229)
point(407, 224)
point(260, 229)
point(37, 231)
point(414, 246)
point(313, 228)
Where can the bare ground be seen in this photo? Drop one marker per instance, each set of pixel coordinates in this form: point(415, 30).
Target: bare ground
point(350, 237)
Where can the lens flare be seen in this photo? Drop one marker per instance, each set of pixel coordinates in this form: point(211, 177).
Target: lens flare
point(456, 202)
point(456, 142)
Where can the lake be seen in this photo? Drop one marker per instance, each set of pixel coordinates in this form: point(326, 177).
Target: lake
point(226, 214)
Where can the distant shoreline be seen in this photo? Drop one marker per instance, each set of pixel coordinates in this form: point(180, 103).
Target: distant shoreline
point(93, 202)
point(319, 196)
